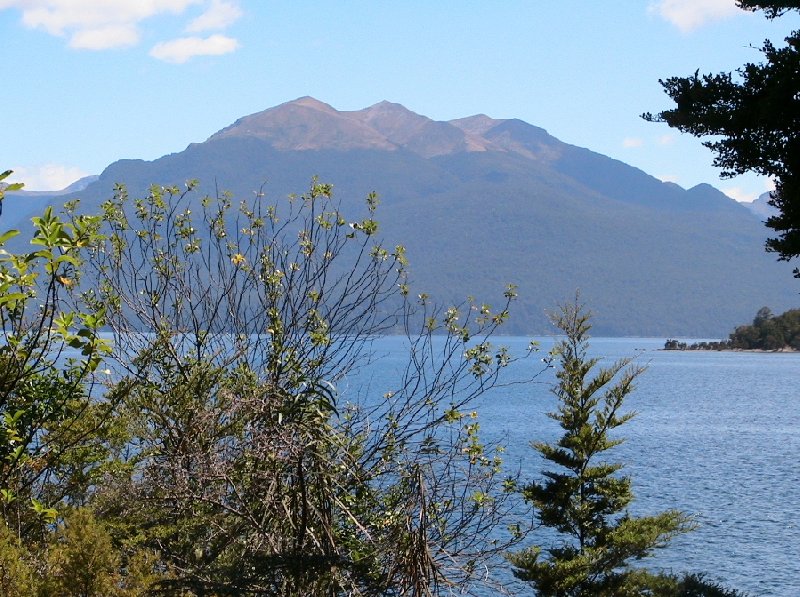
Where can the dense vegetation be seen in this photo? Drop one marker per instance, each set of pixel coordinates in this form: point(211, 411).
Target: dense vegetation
point(207, 449)
point(767, 332)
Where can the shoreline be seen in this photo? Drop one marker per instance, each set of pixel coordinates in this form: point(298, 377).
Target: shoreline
point(785, 349)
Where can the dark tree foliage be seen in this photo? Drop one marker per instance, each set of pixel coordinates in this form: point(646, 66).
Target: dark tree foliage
point(753, 119)
point(771, 9)
point(769, 332)
point(687, 585)
point(695, 585)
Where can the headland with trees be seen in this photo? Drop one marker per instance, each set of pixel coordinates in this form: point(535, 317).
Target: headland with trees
point(768, 332)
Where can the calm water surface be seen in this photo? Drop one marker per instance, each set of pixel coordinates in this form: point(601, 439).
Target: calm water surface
point(716, 435)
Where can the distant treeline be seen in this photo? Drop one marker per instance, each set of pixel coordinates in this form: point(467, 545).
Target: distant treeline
point(767, 332)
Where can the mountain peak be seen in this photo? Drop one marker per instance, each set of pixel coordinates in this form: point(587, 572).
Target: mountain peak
point(395, 121)
point(386, 105)
point(384, 112)
point(418, 133)
point(761, 207)
point(478, 124)
point(306, 124)
point(309, 102)
point(309, 124)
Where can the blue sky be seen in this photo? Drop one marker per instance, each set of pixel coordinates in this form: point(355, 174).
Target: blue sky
point(87, 82)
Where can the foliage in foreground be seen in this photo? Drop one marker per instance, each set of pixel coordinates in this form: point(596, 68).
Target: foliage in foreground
point(225, 456)
point(752, 120)
point(585, 499)
point(53, 436)
point(247, 468)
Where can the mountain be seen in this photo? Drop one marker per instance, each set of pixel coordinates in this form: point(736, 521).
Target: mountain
point(761, 208)
point(481, 202)
point(18, 206)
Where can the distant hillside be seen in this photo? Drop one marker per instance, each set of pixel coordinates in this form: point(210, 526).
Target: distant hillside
point(481, 202)
point(761, 208)
point(21, 205)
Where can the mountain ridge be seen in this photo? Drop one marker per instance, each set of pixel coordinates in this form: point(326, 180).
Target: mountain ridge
point(384, 125)
point(482, 202)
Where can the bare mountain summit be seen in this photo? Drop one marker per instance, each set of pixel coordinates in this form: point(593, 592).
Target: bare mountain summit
point(307, 124)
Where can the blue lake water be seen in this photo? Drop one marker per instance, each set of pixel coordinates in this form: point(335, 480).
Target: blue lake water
point(716, 436)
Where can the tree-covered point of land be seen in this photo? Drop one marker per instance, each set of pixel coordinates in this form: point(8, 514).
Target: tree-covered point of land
point(753, 120)
point(767, 332)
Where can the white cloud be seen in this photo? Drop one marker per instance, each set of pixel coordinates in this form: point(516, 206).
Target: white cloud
point(740, 194)
point(632, 142)
point(104, 24)
point(182, 49)
point(666, 139)
point(94, 24)
point(743, 196)
point(667, 178)
point(102, 38)
point(691, 14)
point(220, 14)
point(46, 177)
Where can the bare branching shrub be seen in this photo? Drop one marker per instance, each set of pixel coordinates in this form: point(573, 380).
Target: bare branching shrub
point(249, 468)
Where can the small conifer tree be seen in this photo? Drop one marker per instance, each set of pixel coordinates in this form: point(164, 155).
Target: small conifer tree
point(585, 499)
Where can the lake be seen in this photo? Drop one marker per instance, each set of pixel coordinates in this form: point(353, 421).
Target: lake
point(716, 436)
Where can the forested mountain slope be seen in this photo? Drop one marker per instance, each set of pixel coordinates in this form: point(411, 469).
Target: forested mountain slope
point(480, 202)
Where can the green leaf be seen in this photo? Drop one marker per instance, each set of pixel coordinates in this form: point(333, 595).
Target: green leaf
point(68, 259)
point(8, 235)
point(12, 297)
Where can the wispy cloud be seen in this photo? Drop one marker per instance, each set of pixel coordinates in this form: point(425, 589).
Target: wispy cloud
point(106, 24)
point(631, 142)
point(744, 196)
point(90, 24)
point(178, 51)
point(667, 178)
point(219, 15)
point(688, 15)
point(667, 139)
point(46, 177)
point(740, 194)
